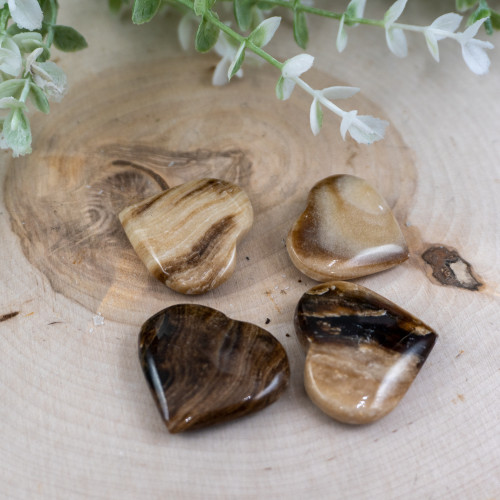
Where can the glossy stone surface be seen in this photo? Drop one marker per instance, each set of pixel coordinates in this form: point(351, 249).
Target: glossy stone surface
point(363, 351)
point(346, 231)
point(187, 235)
point(204, 368)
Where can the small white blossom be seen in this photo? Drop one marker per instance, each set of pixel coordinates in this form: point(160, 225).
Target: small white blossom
point(11, 61)
point(473, 51)
point(46, 75)
point(297, 65)
point(227, 50)
point(25, 13)
point(316, 116)
point(186, 30)
point(292, 69)
point(341, 41)
point(364, 129)
point(355, 9)
point(16, 132)
point(11, 103)
point(325, 95)
point(439, 29)
point(395, 37)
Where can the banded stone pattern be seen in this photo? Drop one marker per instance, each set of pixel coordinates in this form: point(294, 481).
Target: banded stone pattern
point(187, 235)
point(204, 368)
point(346, 231)
point(363, 351)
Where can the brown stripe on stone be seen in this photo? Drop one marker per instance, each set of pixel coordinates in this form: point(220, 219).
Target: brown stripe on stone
point(213, 185)
point(363, 351)
point(187, 235)
point(205, 246)
point(143, 207)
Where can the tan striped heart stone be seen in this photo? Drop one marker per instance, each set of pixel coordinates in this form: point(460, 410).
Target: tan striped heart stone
point(363, 351)
point(187, 235)
point(346, 231)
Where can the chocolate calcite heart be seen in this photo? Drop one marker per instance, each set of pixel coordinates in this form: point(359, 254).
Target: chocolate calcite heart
point(204, 368)
point(363, 351)
point(346, 231)
point(187, 235)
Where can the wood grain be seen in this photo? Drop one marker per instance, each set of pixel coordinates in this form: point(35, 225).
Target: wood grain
point(77, 421)
point(116, 155)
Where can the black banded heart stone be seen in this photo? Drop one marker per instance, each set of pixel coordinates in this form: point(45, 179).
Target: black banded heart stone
point(204, 368)
point(363, 351)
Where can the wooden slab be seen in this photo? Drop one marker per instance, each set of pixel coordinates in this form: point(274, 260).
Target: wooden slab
point(77, 418)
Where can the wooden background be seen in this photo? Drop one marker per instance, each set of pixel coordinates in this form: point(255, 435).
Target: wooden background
point(77, 420)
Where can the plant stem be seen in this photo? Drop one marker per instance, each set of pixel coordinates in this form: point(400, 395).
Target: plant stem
point(53, 18)
point(249, 45)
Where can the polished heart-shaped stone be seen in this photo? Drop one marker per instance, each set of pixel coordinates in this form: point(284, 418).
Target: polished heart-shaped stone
point(204, 368)
point(187, 235)
point(363, 351)
point(346, 231)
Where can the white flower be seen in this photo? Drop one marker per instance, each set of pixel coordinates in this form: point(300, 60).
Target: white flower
point(324, 96)
point(16, 132)
point(10, 57)
point(225, 48)
point(25, 13)
point(355, 9)
point(442, 27)
point(185, 30)
point(292, 69)
point(473, 51)
point(364, 129)
point(341, 41)
point(46, 75)
point(395, 37)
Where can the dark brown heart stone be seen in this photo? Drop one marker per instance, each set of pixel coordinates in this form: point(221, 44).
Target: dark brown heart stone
point(363, 351)
point(204, 368)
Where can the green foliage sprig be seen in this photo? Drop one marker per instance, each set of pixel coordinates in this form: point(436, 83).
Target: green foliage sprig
point(28, 29)
point(256, 29)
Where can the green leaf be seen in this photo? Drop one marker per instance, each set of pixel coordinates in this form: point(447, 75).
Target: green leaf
point(144, 10)
point(279, 88)
point(49, 10)
point(206, 36)
point(237, 62)
point(39, 98)
point(265, 31)
point(495, 20)
point(243, 13)
point(17, 132)
point(265, 5)
point(300, 32)
point(200, 7)
point(28, 42)
point(11, 88)
point(463, 5)
point(115, 5)
point(68, 39)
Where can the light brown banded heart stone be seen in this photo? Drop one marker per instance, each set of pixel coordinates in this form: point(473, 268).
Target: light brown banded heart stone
point(346, 231)
point(363, 351)
point(187, 235)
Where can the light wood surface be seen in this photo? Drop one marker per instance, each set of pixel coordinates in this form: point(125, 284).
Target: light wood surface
point(77, 420)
